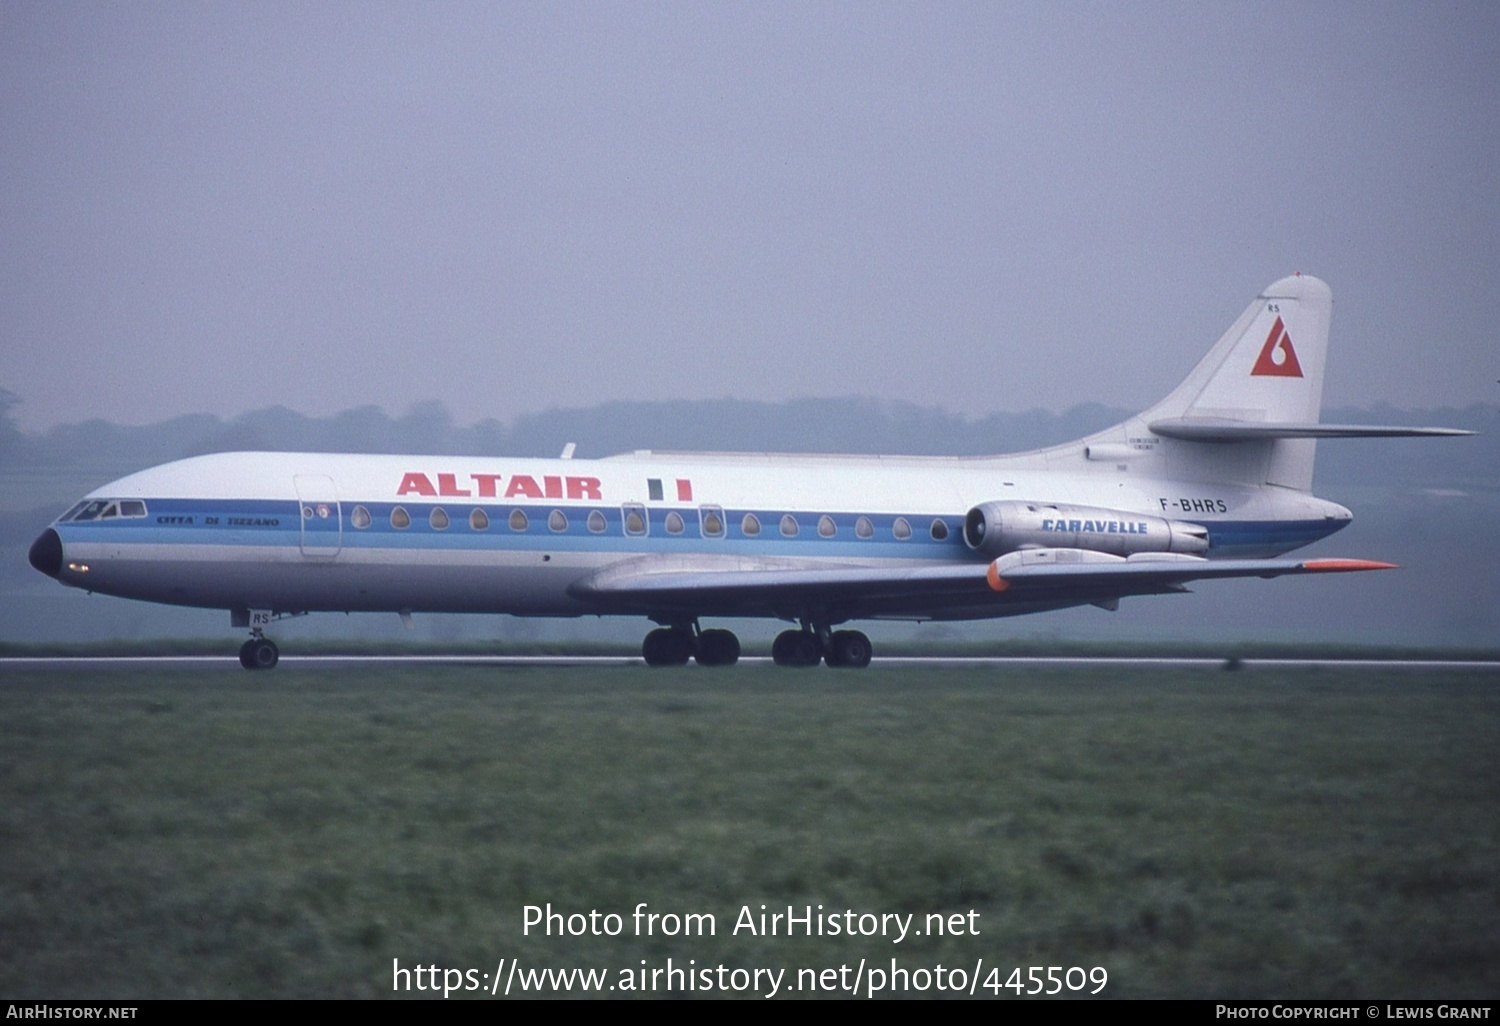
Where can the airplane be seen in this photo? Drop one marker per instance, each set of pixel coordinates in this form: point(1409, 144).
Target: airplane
point(1213, 481)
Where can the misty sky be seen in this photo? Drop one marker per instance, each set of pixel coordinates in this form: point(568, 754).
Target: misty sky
point(216, 207)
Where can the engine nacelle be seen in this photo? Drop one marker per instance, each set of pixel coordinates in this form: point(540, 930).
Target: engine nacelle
point(995, 528)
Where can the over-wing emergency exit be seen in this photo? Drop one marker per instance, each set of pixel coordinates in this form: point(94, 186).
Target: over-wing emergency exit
point(1213, 481)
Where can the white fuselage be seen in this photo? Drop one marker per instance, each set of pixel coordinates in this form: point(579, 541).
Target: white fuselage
point(297, 532)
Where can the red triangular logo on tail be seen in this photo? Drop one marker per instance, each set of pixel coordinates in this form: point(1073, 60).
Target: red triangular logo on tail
point(1277, 357)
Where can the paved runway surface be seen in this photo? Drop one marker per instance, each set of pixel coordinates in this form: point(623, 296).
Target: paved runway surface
point(294, 661)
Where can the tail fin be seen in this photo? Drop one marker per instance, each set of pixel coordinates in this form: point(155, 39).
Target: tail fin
point(1266, 371)
point(1268, 367)
point(1248, 413)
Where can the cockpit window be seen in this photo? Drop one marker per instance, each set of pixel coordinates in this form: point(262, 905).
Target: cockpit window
point(92, 510)
point(105, 509)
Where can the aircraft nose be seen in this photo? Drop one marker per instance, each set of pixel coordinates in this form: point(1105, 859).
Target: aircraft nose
point(46, 553)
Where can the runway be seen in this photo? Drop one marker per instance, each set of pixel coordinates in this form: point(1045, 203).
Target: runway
point(231, 662)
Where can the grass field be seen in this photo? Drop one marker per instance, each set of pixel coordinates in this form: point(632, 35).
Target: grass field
point(1196, 833)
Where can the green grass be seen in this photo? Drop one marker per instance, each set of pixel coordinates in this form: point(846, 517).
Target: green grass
point(1197, 833)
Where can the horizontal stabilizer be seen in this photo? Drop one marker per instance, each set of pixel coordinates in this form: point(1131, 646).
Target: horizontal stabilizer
point(1211, 429)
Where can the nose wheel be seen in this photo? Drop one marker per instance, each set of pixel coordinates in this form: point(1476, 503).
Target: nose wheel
point(259, 653)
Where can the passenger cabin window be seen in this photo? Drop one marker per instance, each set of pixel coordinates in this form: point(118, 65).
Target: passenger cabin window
point(635, 520)
point(674, 522)
point(438, 519)
point(400, 519)
point(789, 526)
point(596, 522)
point(750, 526)
point(863, 528)
point(557, 521)
point(939, 530)
point(826, 527)
point(711, 519)
point(479, 520)
point(360, 517)
point(518, 520)
point(901, 529)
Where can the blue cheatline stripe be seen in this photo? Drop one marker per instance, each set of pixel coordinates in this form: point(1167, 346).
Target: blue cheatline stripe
point(279, 523)
point(1233, 537)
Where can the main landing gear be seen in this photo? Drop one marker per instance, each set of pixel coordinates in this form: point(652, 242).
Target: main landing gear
point(676, 644)
point(259, 653)
point(808, 647)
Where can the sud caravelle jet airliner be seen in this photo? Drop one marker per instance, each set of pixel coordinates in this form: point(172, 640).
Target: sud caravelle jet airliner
point(1213, 481)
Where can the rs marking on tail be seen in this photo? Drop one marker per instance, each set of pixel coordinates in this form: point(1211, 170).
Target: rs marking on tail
point(1277, 357)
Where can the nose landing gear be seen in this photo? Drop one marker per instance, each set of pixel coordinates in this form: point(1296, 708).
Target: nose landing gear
point(259, 653)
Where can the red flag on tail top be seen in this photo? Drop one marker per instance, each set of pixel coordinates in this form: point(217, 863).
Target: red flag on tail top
point(1277, 357)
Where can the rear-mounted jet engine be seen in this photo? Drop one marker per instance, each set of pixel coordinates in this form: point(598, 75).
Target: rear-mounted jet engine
point(995, 528)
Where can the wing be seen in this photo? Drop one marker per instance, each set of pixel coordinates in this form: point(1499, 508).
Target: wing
point(782, 588)
point(1018, 582)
